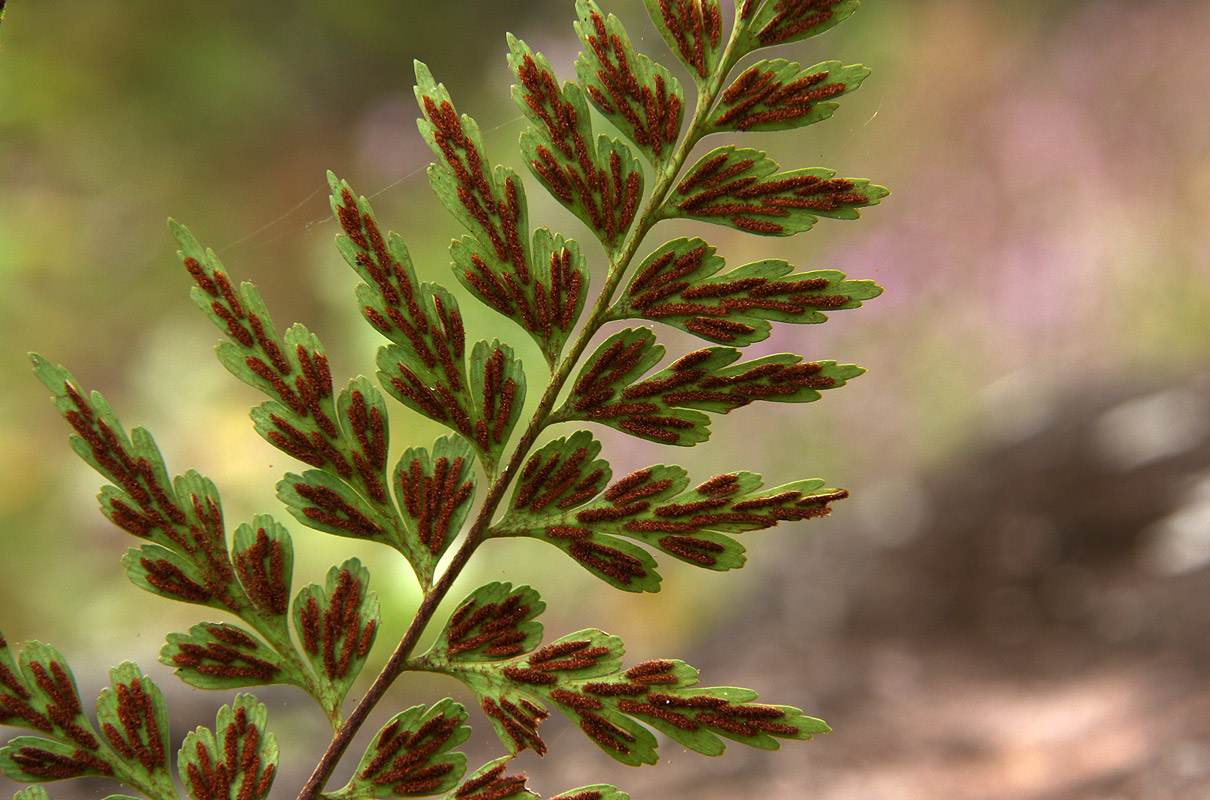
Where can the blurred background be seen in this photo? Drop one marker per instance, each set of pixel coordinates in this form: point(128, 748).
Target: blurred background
point(1014, 604)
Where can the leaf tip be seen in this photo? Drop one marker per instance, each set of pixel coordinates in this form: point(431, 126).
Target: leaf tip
point(177, 229)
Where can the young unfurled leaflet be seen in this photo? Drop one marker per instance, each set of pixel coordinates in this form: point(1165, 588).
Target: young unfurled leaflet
point(498, 474)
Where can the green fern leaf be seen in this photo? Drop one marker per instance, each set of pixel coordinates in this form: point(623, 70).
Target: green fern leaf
point(581, 675)
point(598, 791)
point(693, 30)
point(615, 365)
point(640, 97)
point(601, 182)
point(345, 435)
point(162, 572)
point(183, 515)
point(773, 22)
point(131, 746)
point(741, 188)
point(321, 501)
point(218, 655)
point(134, 722)
point(650, 506)
point(32, 758)
point(36, 792)
point(780, 95)
point(410, 755)
point(235, 761)
point(494, 623)
point(608, 390)
point(498, 387)
point(435, 492)
point(679, 285)
point(490, 782)
point(428, 375)
point(337, 624)
point(489, 202)
point(39, 692)
point(263, 554)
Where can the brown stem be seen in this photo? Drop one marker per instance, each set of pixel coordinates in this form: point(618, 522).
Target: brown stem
point(344, 735)
point(620, 261)
point(424, 614)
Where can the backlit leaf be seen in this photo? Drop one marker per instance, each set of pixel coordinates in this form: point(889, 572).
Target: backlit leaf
point(741, 188)
point(490, 782)
point(615, 365)
point(609, 391)
point(337, 623)
point(33, 792)
point(425, 367)
point(598, 791)
point(498, 387)
point(38, 691)
point(133, 720)
point(161, 571)
point(431, 380)
point(390, 295)
point(679, 285)
point(512, 693)
point(32, 758)
point(640, 97)
point(410, 756)
point(710, 380)
point(430, 377)
point(546, 301)
point(729, 503)
point(343, 435)
point(217, 655)
point(781, 95)
point(128, 745)
point(263, 554)
point(434, 357)
point(564, 473)
point(183, 515)
point(293, 371)
point(362, 411)
point(653, 507)
point(235, 761)
point(581, 675)
point(489, 202)
point(694, 31)
point(605, 198)
point(435, 492)
point(773, 22)
point(541, 287)
point(494, 623)
point(597, 179)
point(615, 561)
point(321, 501)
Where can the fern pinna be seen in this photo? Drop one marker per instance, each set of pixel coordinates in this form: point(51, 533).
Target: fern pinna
point(488, 478)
